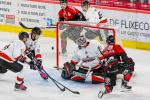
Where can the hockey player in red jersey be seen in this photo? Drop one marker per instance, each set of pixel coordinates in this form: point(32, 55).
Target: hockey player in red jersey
point(117, 61)
point(87, 54)
point(33, 46)
point(68, 13)
point(11, 56)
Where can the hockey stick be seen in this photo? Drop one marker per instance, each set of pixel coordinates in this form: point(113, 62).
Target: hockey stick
point(56, 82)
point(25, 27)
point(40, 70)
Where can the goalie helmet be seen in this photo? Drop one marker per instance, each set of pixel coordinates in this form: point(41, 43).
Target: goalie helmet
point(110, 39)
point(36, 30)
point(81, 41)
point(23, 35)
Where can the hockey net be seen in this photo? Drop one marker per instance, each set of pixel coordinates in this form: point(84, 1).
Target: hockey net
point(68, 32)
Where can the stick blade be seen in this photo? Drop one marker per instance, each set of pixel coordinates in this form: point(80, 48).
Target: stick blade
point(23, 26)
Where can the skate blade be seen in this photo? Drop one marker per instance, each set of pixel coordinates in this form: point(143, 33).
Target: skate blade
point(19, 89)
point(125, 90)
point(100, 94)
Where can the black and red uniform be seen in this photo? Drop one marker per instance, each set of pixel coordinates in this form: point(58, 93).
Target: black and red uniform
point(70, 14)
point(116, 61)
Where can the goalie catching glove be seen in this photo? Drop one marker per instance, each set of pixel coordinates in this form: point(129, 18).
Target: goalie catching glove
point(67, 70)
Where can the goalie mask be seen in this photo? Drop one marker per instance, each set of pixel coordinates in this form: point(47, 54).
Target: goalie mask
point(81, 41)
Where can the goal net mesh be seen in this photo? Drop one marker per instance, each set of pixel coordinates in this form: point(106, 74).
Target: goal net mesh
point(68, 32)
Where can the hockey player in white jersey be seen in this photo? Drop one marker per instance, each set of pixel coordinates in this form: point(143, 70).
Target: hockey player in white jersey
point(11, 56)
point(92, 14)
point(95, 18)
point(33, 46)
point(88, 54)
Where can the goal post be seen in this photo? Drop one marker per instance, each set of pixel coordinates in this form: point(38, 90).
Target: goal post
point(68, 32)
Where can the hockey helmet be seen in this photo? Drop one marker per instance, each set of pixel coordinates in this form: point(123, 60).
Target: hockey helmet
point(81, 41)
point(23, 35)
point(110, 39)
point(85, 3)
point(63, 1)
point(36, 30)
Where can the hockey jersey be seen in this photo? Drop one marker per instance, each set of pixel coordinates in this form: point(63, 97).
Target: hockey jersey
point(13, 51)
point(93, 15)
point(68, 14)
point(89, 55)
point(115, 51)
point(34, 45)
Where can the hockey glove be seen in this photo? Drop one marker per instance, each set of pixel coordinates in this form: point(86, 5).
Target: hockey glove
point(67, 70)
point(21, 59)
point(32, 65)
point(39, 64)
point(30, 54)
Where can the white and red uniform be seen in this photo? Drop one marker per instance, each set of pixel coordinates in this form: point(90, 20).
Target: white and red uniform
point(93, 15)
point(34, 45)
point(13, 51)
point(89, 55)
point(89, 58)
point(9, 56)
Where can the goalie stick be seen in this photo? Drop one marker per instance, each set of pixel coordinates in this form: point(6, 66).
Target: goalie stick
point(25, 27)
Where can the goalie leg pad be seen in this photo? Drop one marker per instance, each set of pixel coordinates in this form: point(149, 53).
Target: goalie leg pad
point(78, 76)
point(67, 70)
point(98, 76)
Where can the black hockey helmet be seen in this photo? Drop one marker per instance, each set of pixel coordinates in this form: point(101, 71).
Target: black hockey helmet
point(85, 3)
point(110, 39)
point(23, 35)
point(81, 41)
point(63, 1)
point(36, 30)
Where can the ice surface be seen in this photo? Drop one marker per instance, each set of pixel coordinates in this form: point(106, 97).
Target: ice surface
point(39, 89)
